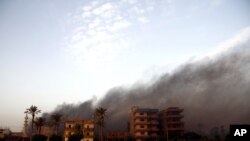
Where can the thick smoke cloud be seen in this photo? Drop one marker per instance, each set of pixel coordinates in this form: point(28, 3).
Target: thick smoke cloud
point(212, 91)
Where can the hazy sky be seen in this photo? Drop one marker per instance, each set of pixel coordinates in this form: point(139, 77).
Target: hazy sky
point(55, 51)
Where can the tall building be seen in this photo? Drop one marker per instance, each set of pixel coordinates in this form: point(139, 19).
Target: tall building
point(144, 123)
point(87, 127)
point(171, 122)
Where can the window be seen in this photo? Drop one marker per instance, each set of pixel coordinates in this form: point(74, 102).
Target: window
point(142, 126)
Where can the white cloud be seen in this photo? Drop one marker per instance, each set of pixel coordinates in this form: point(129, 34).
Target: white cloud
point(103, 8)
point(130, 1)
point(86, 14)
point(87, 8)
point(118, 25)
point(143, 20)
point(98, 37)
point(137, 10)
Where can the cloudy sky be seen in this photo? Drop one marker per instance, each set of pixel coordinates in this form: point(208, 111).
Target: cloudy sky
point(56, 51)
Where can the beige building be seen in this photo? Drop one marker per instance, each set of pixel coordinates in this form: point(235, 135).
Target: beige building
point(144, 123)
point(87, 126)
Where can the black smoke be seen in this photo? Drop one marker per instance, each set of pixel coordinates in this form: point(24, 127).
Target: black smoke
point(212, 91)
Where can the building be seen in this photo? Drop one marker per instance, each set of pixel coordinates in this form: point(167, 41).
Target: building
point(171, 122)
point(117, 136)
point(144, 123)
point(4, 132)
point(87, 127)
point(47, 131)
point(147, 123)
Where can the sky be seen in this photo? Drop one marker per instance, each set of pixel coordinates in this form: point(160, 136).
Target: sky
point(69, 51)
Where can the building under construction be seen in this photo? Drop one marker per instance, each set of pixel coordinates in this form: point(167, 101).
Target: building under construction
point(147, 123)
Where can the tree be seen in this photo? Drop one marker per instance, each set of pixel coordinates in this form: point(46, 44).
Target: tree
point(39, 122)
point(99, 115)
point(38, 137)
point(33, 110)
point(56, 119)
point(55, 138)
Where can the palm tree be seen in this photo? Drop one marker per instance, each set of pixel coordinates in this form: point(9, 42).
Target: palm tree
point(39, 122)
point(56, 119)
point(33, 110)
point(99, 115)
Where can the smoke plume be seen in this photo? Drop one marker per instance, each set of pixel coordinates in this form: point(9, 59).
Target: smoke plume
point(213, 91)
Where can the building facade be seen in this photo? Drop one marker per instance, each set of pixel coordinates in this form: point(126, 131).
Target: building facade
point(144, 123)
point(86, 125)
point(171, 122)
point(117, 136)
point(152, 124)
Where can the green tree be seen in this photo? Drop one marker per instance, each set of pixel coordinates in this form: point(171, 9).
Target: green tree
point(33, 111)
point(56, 120)
point(99, 115)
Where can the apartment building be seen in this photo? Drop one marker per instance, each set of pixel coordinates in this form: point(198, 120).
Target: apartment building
point(87, 127)
point(117, 136)
point(147, 123)
point(171, 122)
point(144, 123)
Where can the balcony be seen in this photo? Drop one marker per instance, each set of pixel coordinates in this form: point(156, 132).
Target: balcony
point(136, 116)
point(152, 117)
point(174, 129)
point(154, 129)
point(153, 122)
point(174, 109)
point(141, 122)
point(88, 129)
point(173, 116)
point(174, 123)
point(88, 136)
point(141, 129)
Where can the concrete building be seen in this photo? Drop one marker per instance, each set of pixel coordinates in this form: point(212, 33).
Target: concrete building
point(87, 126)
point(147, 123)
point(171, 122)
point(144, 123)
point(47, 131)
point(117, 136)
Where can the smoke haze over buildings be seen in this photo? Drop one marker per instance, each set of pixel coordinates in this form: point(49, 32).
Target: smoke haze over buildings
point(213, 91)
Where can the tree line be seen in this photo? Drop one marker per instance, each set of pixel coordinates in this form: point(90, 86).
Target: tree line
point(55, 120)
